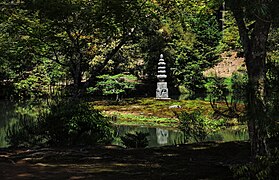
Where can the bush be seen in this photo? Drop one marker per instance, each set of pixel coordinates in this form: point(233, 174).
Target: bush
point(264, 167)
point(68, 123)
point(239, 86)
point(217, 88)
point(116, 85)
point(192, 125)
point(195, 125)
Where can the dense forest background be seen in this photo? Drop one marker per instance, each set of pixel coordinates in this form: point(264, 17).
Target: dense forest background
point(80, 47)
point(47, 45)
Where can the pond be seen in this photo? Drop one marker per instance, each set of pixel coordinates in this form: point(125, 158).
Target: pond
point(163, 137)
point(9, 112)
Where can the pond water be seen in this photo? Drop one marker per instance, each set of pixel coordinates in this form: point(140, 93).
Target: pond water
point(9, 112)
point(163, 137)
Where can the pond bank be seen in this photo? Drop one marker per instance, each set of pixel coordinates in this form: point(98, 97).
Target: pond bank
point(209, 160)
point(156, 113)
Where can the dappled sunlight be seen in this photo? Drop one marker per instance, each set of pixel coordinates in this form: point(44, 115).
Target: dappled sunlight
point(25, 175)
point(111, 161)
point(169, 155)
point(149, 111)
point(77, 177)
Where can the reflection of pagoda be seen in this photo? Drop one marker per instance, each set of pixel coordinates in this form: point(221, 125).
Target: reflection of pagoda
point(162, 89)
point(162, 136)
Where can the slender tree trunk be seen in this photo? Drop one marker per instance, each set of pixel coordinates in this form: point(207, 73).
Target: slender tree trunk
point(76, 74)
point(77, 80)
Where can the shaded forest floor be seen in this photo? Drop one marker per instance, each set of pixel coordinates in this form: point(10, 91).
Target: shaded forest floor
point(209, 160)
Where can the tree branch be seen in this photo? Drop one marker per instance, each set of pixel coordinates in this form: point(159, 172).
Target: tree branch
point(242, 28)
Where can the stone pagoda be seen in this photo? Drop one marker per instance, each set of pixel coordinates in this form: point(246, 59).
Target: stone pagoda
point(162, 88)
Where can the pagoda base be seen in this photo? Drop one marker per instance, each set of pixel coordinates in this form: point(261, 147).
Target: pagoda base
point(162, 91)
point(163, 99)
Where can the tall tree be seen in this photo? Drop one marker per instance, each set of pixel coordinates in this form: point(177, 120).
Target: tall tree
point(81, 36)
point(254, 19)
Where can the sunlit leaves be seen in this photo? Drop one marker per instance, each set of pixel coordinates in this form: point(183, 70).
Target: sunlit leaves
point(114, 85)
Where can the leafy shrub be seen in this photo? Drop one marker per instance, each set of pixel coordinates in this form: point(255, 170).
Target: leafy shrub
point(73, 122)
point(195, 125)
point(34, 84)
point(231, 91)
point(239, 85)
point(135, 140)
point(217, 87)
point(264, 167)
point(116, 85)
point(69, 122)
point(192, 125)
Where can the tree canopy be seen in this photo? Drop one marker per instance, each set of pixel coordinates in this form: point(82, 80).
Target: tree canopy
point(80, 40)
point(73, 42)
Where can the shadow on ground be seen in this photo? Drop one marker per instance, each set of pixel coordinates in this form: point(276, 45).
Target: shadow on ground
point(194, 161)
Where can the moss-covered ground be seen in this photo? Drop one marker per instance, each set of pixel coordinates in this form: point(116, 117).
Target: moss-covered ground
point(152, 112)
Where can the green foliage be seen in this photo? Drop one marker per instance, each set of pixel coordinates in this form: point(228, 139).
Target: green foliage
point(28, 73)
point(272, 97)
point(115, 85)
point(75, 123)
point(25, 132)
point(193, 44)
point(264, 167)
point(79, 40)
point(230, 36)
point(195, 125)
point(192, 125)
point(187, 33)
point(187, 71)
point(135, 140)
point(36, 83)
point(217, 88)
point(68, 123)
point(239, 86)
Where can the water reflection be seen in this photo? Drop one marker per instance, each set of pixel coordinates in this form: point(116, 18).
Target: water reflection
point(7, 109)
point(10, 111)
point(162, 137)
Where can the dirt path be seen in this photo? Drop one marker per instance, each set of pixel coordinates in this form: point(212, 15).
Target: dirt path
point(195, 161)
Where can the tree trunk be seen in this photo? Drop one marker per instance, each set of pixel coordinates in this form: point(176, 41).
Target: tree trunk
point(256, 68)
point(256, 109)
point(254, 46)
point(76, 74)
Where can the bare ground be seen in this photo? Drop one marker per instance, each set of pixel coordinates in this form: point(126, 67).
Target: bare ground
point(209, 160)
point(230, 63)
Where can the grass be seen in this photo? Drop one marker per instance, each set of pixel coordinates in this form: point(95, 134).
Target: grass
point(151, 112)
point(131, 119)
